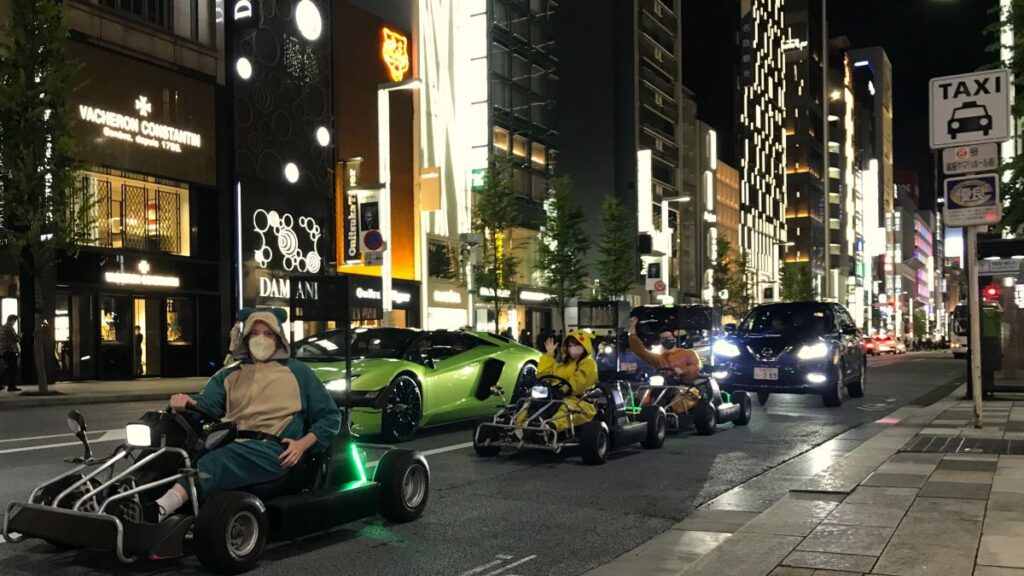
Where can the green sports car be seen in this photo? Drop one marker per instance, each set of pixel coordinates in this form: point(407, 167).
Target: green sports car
point(405, 379)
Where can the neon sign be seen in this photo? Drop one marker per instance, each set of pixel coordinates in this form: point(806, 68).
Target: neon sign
point(394, 50)
point(139, 130)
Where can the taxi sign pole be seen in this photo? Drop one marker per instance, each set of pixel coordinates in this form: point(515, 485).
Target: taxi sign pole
point(973, 303)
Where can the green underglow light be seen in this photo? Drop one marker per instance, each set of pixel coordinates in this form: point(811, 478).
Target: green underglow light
point(358, 461)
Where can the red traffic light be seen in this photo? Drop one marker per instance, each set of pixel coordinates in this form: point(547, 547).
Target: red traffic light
point(991, 292)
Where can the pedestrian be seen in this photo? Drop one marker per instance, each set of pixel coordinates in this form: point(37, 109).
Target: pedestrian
point(507, 332)
point(524, 337)
point(138, 351)
point(9, 349)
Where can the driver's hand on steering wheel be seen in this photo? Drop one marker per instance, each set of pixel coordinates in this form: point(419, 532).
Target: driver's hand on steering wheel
point(181, 402)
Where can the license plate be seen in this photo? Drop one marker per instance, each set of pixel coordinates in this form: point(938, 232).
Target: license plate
point(766, 373)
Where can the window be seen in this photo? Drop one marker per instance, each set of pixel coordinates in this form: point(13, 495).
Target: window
point(501, 144)
point(180, 322)
point(499, 60)
point(137, 214)
point(538, 156)
point(156, 12)
point(519, 146)
point(442, 261)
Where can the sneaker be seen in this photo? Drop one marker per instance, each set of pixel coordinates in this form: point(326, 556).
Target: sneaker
point(152, 513)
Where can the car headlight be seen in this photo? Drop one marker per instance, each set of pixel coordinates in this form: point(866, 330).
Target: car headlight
point(725, 349)
point(720, 375)
point(539, 392)
point(954, 124)
point(813, 351)
point(983, 121)
point(339, 384)
point(656, 380)
point(608, 350)
point(138, 434)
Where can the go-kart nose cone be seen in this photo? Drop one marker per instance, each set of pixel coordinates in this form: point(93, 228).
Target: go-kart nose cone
point(539, 392)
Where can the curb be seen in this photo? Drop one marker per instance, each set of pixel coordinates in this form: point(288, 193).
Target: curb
point(75, 400)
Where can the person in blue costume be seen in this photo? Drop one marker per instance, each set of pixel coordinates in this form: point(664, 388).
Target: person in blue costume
point(265, 391)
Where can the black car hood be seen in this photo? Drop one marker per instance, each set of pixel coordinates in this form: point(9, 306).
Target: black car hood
point(775, 342)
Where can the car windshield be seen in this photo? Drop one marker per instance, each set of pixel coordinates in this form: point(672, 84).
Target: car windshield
point(970, 112)
point(370, 343)
point(778, 319)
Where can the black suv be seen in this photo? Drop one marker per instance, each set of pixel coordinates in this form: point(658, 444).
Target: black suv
point(793, 348)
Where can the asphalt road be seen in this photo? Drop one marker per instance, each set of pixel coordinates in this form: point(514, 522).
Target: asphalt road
point(521, 514)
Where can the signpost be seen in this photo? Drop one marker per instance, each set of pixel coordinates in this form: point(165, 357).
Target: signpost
point(1001, 267)
point(970, 114)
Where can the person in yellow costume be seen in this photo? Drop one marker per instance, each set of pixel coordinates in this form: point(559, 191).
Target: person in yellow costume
point(579, 369)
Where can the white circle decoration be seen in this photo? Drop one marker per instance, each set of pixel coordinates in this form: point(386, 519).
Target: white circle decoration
point(291, 172)
point(244, 68)
point(323, 136)
point(307, 17)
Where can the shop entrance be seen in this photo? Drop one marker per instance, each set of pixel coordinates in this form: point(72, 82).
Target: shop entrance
point(146, 336)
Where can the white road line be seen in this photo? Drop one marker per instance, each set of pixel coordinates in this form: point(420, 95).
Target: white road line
point(512, 565)
point(108, 436)
point(481, 568)
point(49, 436)
point(431, 452)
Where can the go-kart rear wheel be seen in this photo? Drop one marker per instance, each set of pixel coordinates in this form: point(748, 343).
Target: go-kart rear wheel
point(404, 479)
point(705, 418)
point(481, 436)
point(594, 442)
point(657, 423)
point(746, 408)
point(231, 532)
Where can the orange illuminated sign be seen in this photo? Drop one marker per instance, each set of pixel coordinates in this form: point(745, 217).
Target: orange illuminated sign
point(394, 50)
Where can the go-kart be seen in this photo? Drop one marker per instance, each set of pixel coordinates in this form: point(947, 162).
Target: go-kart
point(533, 422)
point(702, 402)
point(99, 502)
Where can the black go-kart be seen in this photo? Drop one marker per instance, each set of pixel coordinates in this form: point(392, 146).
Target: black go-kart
point(99, 502)
point(534, 421)
point(702, 403)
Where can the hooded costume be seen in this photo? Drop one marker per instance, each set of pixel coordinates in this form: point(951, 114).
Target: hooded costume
point(581, 374)
point(281, 396)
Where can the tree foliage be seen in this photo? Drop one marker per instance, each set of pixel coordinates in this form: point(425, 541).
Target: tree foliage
point(1012, 190)
point(495, 217)
point(729, 277)
point(563, 246)
point(797, 284)
point(41, 208)
point(616, 264)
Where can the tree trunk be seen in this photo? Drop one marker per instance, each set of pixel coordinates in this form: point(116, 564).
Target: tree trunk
point(45, 272)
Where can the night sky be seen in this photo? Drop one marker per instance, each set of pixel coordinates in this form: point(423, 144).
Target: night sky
point(924, 39)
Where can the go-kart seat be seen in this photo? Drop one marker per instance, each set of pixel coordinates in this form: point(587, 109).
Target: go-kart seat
point(299, 478)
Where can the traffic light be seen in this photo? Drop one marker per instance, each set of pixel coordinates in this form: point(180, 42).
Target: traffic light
point(991, 292)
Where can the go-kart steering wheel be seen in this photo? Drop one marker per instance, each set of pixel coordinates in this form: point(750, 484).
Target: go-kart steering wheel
point(196, 419)
point(558, 384)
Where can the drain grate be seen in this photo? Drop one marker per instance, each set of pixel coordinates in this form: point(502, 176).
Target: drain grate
point(963, 445)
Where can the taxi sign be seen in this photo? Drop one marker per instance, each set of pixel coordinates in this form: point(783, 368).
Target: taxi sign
point(969, 108)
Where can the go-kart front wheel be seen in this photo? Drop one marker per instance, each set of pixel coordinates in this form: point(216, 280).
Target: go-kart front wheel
point(481, 436)
point(404, 480)
point(746, 408)
point(594, 442)
point(657, 423)
point(705, 418)
point(231, 532)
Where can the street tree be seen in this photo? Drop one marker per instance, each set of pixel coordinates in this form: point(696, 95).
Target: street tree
point(616, 263)
point(1012, 19)
point(796, 282)
point(722, 273)
point(495, 217)
point(563, 246)
point(44, 213)
point(741, 296)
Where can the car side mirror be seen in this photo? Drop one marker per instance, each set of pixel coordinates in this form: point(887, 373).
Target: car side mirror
point(429, 362)
point(729, 328)
point(76, 422)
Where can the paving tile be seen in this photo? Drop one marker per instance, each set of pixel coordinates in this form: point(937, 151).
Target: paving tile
point(968, 465)
point(1005, 484)
point(1003, 551)
point(913, 559)
point(841, 539)
point(1006, 501)
point(790, 571)
point(982, 457)
point(955, 490)
point(740, 499)
point(1001, 523)
point(835, 573)
point(867, 515)
point(716, 520)
point(895, 480)
point(827, 561)
point(948, 508)
point(968, 476)
point(917, 457)
point(950, 533)
point(760, 553)
point(664, 555)
point(891, 467)
point(997, 571)
point(902, 497)
point(793, 515)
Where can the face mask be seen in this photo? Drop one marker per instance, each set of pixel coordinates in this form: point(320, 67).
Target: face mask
point(261, 348)
point(575, 352)
point(668, 343)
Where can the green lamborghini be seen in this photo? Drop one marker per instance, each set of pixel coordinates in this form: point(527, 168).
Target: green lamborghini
point(405, 379)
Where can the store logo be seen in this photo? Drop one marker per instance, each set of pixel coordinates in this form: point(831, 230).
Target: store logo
point(243, 9)
point(278, 231)
point(397, 297)
point(137, 130)
point(281, 288)
point(447, 297)
point(143, 106)
point(394, 50)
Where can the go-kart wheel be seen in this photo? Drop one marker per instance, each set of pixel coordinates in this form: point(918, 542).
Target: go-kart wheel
point(594, 442)
point(762, 398)
point(403, 410)
point(527, 376)
point(656, 426)
point(481, 435)
point(404, 480)
point(231, 532)
point(705, 418)
point(746, 408)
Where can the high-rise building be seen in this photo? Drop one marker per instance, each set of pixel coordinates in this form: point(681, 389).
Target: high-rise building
point(807, 109)
point(727, 207)
point(845, 273)
point(762, 141)
point(908, 264)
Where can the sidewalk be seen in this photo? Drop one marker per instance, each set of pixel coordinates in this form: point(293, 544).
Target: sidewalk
point(919, 492)
point(99, 392)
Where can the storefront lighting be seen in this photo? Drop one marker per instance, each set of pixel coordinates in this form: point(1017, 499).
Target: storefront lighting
point(323, 136)
point(530, 296)
point(142, 280)
point(447, 297)
point(307, 17)
point(394, 50)
point(291, 172)
point(244, 68)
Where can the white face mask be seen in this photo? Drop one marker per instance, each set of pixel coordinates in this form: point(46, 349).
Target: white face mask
point(261, 348)
point(575, 352)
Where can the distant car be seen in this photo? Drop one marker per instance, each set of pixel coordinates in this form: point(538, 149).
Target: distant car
point(869, 346)
point(970, 117)
point(793, 348)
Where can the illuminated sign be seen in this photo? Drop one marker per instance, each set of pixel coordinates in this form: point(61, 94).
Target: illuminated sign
point(447, 297)
point(138, 130)
point(531, 296)
point(1018, 295)
point(793, 44)
point(394, 50)
point(502, 292)
point(397, 297)
point(280, 229)
point(129, 279)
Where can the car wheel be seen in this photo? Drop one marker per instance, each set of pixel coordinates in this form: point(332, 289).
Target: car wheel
point(482, 435)
point(705, 418)
point(657, 424)
point(403, 410)
point(231, 532)
point(527, 376)
point(404, 479)
point(594, 443)
point(746, 408)
point(762, 398)
point(833, 397)
point(857, 389)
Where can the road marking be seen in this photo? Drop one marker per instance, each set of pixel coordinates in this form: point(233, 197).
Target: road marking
point(431, 452)
point(108, 436)
point(500, 558)
point(512, 565)
point(49, 436)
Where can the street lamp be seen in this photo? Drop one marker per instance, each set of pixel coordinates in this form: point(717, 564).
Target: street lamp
point(384, 168)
